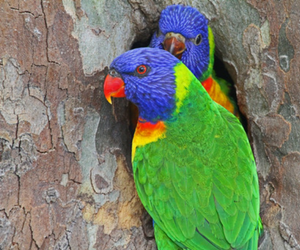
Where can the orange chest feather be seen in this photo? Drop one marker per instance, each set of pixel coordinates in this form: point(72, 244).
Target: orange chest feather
point(215, 92)
point(147, 132)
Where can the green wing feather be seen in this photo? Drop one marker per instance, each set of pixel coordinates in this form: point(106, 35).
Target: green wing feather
point(163, 241)
point(199, 183)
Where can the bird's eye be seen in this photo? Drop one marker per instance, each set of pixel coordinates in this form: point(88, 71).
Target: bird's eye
point(112, 72)
point(198, 39)
point(141, 69)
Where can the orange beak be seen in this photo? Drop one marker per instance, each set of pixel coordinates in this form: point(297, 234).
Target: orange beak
point(113, 87)
point(175, 44)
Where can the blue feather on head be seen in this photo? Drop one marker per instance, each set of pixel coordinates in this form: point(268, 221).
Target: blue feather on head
point(153, 92)
point(190, 23)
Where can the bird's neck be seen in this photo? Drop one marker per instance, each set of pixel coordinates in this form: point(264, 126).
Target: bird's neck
point(191, 99)
point(208, 71)
point(147, 132)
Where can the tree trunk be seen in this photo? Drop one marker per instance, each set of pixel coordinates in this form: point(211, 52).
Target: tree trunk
point(65, 173)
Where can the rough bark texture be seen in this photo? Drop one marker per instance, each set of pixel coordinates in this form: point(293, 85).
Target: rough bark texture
point(65, 178)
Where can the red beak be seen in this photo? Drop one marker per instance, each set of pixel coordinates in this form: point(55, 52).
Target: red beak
point(174, 46)
point(113, 87)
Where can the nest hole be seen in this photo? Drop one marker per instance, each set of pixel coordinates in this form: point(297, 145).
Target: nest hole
point(222, 72)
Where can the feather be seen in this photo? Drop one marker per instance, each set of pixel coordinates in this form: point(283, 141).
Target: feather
point(188, 22)
point(193, 167)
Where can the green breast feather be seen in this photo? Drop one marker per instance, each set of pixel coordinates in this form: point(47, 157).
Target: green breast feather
point(199, 182)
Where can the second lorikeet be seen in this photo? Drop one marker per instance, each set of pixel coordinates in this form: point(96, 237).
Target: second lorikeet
point(184, 32)
point(193, 167)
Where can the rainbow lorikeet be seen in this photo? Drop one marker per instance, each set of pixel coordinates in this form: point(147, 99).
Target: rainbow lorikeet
point(193, 167)
point(184, 32)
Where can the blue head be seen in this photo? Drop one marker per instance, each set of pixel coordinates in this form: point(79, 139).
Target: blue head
point(184, 32)
point(144, 76)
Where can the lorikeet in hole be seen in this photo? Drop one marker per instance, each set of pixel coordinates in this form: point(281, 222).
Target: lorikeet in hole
point(184, 32)
point(193, 167)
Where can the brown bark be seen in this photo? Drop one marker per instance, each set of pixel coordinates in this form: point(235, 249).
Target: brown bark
point(64, 155)
point(65, 178)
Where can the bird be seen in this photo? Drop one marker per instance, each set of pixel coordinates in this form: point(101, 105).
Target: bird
point(184, 32)
point(192, 163)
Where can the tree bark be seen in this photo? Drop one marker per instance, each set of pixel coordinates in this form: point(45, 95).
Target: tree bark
point(65, 171)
